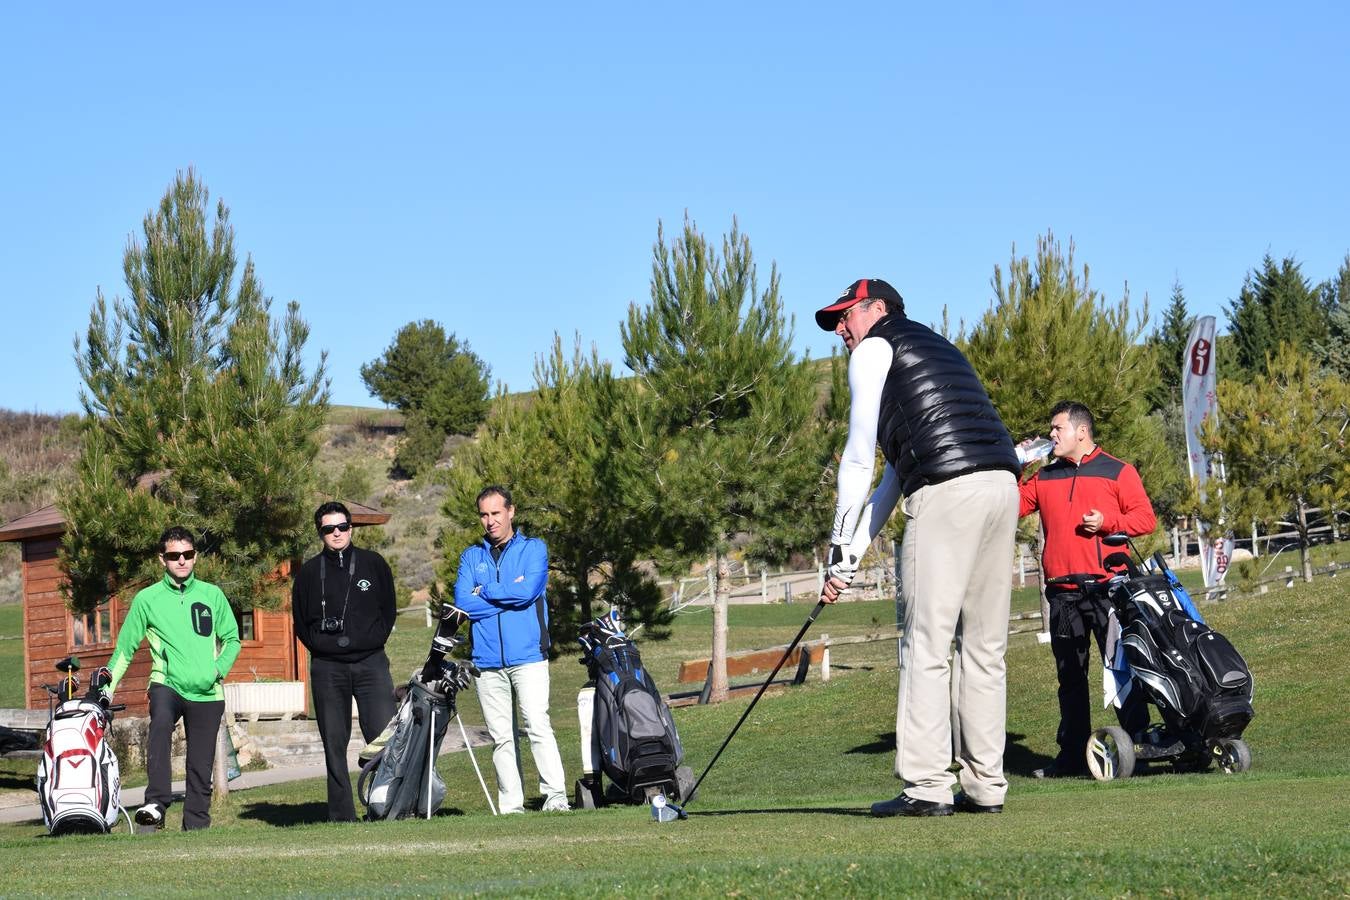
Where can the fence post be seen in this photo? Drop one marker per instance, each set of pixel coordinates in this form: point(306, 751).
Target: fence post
point(1288, 576)
point(825, 657)
point(1176, 547)
point(787, 592)
point(1021, 564)
point(763, 586)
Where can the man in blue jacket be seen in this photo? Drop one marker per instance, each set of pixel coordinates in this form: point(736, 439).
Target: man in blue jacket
point(500, 588)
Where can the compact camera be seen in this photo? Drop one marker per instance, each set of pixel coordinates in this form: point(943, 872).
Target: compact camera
point(331, 625)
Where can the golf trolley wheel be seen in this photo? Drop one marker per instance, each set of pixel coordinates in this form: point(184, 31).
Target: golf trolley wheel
point(684, 783)
point(1232, 755)
point(1110, 754)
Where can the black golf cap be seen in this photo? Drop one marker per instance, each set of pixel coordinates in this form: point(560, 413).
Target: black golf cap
point(857, 292)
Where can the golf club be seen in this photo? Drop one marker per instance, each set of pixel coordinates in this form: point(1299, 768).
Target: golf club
point(679, 811)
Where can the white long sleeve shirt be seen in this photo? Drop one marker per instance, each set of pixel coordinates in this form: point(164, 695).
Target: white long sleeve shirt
point(860, 511)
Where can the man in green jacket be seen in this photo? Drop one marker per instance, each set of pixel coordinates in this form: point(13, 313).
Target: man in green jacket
point(194, 641)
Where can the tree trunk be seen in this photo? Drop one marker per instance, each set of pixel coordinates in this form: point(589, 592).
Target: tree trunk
point(220, 781)
point(584, 592)
point(718, 691)
point(1305, 552)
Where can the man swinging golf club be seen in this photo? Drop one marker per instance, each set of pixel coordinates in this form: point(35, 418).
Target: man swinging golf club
point(948, 452)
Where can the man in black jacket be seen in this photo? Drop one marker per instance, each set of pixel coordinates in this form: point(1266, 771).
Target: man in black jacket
point(948, 452)
point(343, 605)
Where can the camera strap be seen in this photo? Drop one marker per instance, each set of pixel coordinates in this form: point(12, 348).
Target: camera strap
point(323, 588)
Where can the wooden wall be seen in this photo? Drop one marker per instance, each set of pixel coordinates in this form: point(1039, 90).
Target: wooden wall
point(274, 654)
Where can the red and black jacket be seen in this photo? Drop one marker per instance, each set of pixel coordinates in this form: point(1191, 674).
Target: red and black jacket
point(1064, 492)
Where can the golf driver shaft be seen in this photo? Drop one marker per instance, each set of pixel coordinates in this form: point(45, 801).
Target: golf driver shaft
point(760, 693)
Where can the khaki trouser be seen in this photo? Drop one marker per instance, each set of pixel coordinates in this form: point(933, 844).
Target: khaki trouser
point(956, 571)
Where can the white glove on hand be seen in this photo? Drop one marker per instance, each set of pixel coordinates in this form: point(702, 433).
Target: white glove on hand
point(843, 564)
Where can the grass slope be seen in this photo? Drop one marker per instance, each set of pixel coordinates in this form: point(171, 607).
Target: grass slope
point(784, 813)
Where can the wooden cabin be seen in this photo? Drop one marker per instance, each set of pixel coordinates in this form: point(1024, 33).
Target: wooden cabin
point(269, 649)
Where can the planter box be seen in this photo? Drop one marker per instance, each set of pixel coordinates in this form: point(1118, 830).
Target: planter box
point(255, 700)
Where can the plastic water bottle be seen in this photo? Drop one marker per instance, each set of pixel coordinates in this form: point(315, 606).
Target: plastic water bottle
point(1034, 451)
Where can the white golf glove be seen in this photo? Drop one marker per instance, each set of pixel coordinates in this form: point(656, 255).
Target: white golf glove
point(843, 564)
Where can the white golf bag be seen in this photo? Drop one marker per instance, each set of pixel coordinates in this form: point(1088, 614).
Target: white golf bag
point(78, 780)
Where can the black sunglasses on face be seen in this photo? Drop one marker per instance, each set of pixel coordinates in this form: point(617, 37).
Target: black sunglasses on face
point(176, 555)
point(329, 529)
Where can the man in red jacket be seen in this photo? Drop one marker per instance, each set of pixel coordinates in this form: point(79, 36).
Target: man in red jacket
point(1083, 494)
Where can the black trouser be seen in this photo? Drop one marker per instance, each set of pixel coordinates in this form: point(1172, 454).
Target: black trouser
point(334, 685)
point(1076, 618)
point(201, 723)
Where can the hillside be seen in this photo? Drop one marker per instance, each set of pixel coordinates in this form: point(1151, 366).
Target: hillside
point(38, 454)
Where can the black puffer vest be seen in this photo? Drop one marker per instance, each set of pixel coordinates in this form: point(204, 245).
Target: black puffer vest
point(936, 421)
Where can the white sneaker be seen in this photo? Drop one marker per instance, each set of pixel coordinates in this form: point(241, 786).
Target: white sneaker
point(150, 814)
point(557, 803)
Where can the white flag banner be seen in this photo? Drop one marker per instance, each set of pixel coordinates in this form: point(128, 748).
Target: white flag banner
point(1198, 399)
point(1200, 402)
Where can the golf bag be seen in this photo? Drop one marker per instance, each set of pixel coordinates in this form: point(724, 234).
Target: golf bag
point(633, 736)
point(398, 772)
point(79, 782)
point(1191, 672)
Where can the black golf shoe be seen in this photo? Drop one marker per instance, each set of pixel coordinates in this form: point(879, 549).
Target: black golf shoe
point(905, 805)
point(963, 803)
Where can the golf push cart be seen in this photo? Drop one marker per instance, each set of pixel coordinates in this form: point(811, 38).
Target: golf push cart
point(1190, 673)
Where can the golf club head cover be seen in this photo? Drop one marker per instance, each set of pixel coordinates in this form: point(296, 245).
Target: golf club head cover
point(431, 669)
point(843, 564)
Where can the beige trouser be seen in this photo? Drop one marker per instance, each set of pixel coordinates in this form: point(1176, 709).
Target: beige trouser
point(499, 692)
point(956, 569)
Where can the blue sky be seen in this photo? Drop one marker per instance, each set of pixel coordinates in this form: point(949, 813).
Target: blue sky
point(502, 168)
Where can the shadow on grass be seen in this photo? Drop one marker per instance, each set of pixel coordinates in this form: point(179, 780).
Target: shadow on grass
point(793, 810)
point(284, 815)
point(1018, 759)
point(885, 743)
point(13, 782)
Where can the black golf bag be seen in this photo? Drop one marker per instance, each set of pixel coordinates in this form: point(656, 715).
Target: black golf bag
point(1195, 677)
point(398, 769)
point(633, 740)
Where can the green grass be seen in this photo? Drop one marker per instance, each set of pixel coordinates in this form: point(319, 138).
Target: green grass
point(11, 655)
point(784, 811)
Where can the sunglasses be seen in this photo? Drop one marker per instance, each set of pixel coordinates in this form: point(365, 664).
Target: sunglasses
point(329, 529)
point(176, 555)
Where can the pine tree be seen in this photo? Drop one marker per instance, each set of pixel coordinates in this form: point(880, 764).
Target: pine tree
point(199, 413)
point(1169, 343)
point(1276, 305)
point(438, 381)
point(1284, 440)
point(1049, 336)
point(559, 451)
point(722, 423)
point(1334, 352)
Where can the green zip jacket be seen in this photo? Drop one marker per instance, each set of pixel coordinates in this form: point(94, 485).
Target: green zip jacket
point(182, 625)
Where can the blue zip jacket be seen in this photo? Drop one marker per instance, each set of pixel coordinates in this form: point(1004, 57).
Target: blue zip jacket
point(504, 600)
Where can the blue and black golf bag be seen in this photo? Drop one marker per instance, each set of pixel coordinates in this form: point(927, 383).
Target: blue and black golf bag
point(628, 733)
point(1193, 674)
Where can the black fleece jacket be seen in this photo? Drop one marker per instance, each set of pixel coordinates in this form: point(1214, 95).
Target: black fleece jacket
point(368, 595)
